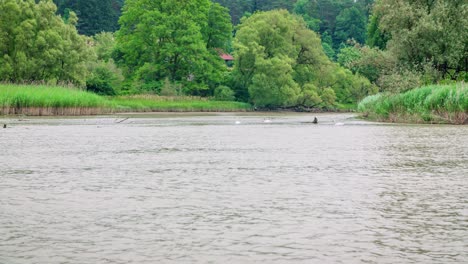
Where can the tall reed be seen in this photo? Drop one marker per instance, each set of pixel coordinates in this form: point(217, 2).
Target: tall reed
point(49, 100)
point(41, 100)
point(429, 104)
point(151, 103)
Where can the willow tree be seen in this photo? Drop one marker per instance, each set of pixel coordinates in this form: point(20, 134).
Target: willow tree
point(173, 40)
point(281, 63)
point(37, 45)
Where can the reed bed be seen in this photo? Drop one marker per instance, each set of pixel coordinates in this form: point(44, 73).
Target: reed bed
point(46, 100)
point(429, 104)
point(151, 103)
point(41, 100)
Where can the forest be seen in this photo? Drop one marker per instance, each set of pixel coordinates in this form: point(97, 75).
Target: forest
point(287, 54)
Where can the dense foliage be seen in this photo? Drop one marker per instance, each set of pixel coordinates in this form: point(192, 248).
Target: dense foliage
point(37, 45)
point(280, 63)
point(95, 16)
point(287, 53)
point(339, 19)
point(175, 40)
point(239, 8)
point(427, 32)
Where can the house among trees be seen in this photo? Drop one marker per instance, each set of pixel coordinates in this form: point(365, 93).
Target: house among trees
point(228, 58)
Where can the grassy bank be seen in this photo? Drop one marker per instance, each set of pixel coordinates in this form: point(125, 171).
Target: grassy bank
point(37, 100)
point(430, 104)
point(152, 103)
point(47, 100)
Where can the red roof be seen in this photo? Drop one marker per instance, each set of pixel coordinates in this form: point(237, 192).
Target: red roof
point(226, 57)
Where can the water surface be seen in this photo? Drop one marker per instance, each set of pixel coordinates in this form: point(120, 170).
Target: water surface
point(232, 188)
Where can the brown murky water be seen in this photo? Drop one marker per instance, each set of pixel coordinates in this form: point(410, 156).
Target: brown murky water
point(232, 189)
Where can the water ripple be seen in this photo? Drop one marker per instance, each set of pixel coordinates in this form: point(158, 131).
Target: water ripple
point(198, 189)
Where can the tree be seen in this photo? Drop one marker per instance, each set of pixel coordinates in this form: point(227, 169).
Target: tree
point(169, 39)
point(372, 63)
point(281, 63)
point(350, 24)
point(104, 76)
point(348, 56)
point(427, 31)
point(95, 16)
point(37, 45)
point(327, 45)
point(340, 19)
point(309, 11)
point(238, 8)
point(219, 29)
point(375, 37)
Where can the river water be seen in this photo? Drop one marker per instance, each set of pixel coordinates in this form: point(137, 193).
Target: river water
point(232, 188)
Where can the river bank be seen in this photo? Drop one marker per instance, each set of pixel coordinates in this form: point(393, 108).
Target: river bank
point(434, 104)
point(41, 100)
point(37, 100)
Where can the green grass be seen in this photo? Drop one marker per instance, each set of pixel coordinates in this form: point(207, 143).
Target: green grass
point(347, 107)
point(151, 103)
point(47, 100)
point(428, 104)
point(50, 100)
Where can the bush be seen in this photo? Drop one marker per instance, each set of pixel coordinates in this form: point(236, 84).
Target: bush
point(170, 89)
point(105, 78)
point(224, 93)
point(399, 81)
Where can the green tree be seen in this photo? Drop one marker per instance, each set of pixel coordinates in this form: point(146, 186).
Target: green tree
point(350, 24)
point(105, 77)
point(95, 16)
point(281, 63)
point(169, 39)
point(237, 8)
point(371, 63)
point(36, 44)
point(308, 10)
point(219, 29)
point(375, 37)
point(427, 31)
point(327, 45)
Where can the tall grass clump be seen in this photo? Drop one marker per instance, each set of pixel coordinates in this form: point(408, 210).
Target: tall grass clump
point(50, 100)
point(428, 104)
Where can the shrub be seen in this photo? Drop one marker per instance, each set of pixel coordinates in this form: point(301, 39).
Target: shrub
point(170, 89)
point(105, 78)
point(223, 93)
